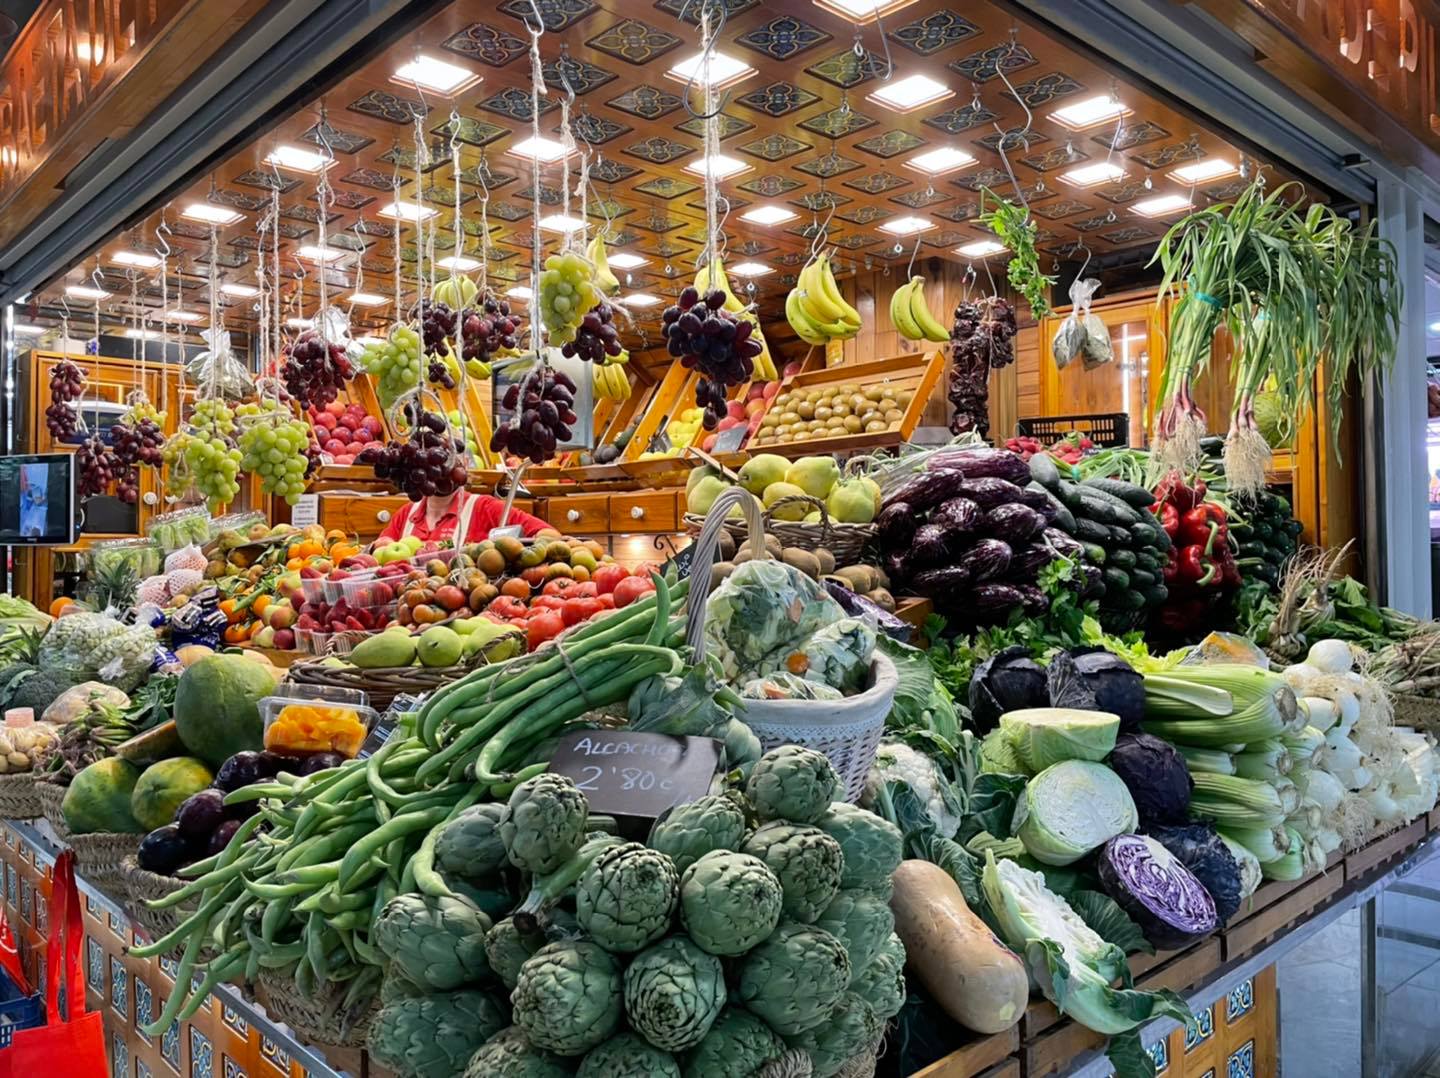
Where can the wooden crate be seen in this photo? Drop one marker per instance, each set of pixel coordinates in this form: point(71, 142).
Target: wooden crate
point(1240, 939)
point(1368, 857)
point(977, 1056)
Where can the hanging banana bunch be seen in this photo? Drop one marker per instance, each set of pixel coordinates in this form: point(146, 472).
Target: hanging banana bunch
point(609, 378)
point(816, 310)
point(911, 313)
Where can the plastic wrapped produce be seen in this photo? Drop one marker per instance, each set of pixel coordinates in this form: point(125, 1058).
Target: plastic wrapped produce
point(761, 613)
point(837, 655)
point(783, 685)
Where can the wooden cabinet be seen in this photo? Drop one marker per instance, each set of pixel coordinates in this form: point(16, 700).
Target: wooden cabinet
point(646, 511)
point(579, 514)
point(365, 516)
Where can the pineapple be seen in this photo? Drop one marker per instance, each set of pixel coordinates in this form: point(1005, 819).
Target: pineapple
point(113, 584)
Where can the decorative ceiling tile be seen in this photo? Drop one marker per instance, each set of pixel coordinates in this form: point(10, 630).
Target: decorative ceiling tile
point(348, 200)
point(1016, 138)
point(190, 230)
point(821, 200)
point(689, 10)
point(624, 237)
point(831, 164)
point(936, 31)
point(647, 102)
point(963, 118)
point(508, 211)
point(770, 186)
point(1228, 190)
point(920, 198)
point(506, 273)
point(1057, 157)
point(730, 126)
point(667, 248)
point(225, 258)
point(634, 41)
point(837, 123)
point(809, 230)
point(323, 134)
point(750, 248)
point(667, 187)
point(853, 242)
point(735, 204)
point(471, 131)
point(346, 241)
point(792, 258)
point(1131, 234)
point(877, 183)
point(293, 232)
point(392, 108)
point(1045, 89)
point(659, 150)
point(307, 213)
point(774, 147)
point(658, 221)
point(223, 196)
point(370, 177)
point(1132, 135)
point(1122, 191)
point(890, 143)
point(1163, 156)
point(778, 98)
point(845, 69)
point(985, 177)
point(986, 64)
point(249, 243)
point(864, 215)
point(1066, 207)
point(549, 196)
point(1094, 224)
point(597, 130)
point(946, 237)
point(439, 154)
point(373, 228)
point(783, 37)
point(444, 195)
point(515, 103)
point(482, 175)
point(698, 234)
point(488, 44)
point(604, 170)
point(256, 177)
point(555, 15)
point(959, 211)
point(607, 209)
point(471, 225)
point(582, 75)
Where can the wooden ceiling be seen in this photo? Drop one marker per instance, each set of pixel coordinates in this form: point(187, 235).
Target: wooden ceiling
point(802, 122)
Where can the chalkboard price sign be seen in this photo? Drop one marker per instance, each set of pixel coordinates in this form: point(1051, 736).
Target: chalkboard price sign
point(728, 441)
point(633, 774)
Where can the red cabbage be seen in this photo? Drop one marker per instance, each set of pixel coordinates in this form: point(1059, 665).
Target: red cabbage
point(1199, 847)
point(1007, 681)
point(1119, 689)
point(1155, 773)
point(1161, 895)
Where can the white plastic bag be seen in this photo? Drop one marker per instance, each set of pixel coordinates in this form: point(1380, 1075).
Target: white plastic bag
point(1082, 334)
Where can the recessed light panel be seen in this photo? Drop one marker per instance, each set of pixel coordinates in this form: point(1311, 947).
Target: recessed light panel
point(1092, 175)
point(244, 291)
point(368, 299)
point(907, 226)
point(211, 215)
point(625, 260)
point(939, 161)
point(139, 259)
point(296, 159)
point(311, 253)
point(1091, 111)
point(640, 299)
point(863, 11)
point(1161, 205)
point(720, 166)
point(399, 209)
point(980, 249)
point(544, 150)
point(437, 76)
point(80, 291)
point(1211, 168)
point(558, 222)
point(907, 94)
point(750, 269)
point(519, 291)
point(768, 215)
point(723, 69)
point(458, 263)
point(183, 316)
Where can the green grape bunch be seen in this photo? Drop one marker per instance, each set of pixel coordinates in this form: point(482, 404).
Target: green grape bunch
point(215, 465)
point(567, 291)
point(274, 448)
point(394, 364)
point(213, 418)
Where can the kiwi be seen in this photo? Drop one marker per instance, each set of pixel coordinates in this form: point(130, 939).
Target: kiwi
point(726, 546)
point(826, 560)
point(719, 571)
point(803, 560)
point(881, 598)
point(859, 578)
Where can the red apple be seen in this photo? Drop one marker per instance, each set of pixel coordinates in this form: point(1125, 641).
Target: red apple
point(771, 390)
point(709, 443)
point(284, 639)
point(325, 421)
point(336, 408)
point(756, 391)
point(756, 407)
point(735, 409)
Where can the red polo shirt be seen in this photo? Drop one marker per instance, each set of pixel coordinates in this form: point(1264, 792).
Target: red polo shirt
point(484, 517)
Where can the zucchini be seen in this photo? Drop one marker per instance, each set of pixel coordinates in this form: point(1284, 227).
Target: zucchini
point(1156, 594)
point(1103, 507)
point(1274, 555)
point(1132, 495)
point(1253, 548)
point(1212, 445)
point(1148, 560)
point(1088, 531)
point(1116, 580)
point(1294, 528)
point(1127, 600)
point(1142, 578)
point(1263, 530)
point(1069, 494)
point(1123, 559)
point(1148, 535)
point(1095, 554)
point(1044, 471)
point(1120, 536)
point(1063, 518)
point(1264, 571)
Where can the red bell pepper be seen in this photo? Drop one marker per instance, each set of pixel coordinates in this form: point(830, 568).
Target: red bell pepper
point(1204, 525)
point(1198, 568)
point(1169, 518)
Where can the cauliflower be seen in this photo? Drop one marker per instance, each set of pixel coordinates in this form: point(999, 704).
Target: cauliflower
point(626, 898)
point(690, 831)
point(807, 862)
point(627, 1056)
point(673, 993)
point(568, 998)
point(792, 783)
point(469, 845)
point(862, 922)
point(509, 1055)
point(872, 846)
point(794, 979)
point(898, 762)
point(847, 1031)
point(737, 1045)
point(439, 943)
point(543, 823)
point(882, 983)
point(729, 902)
point(430, 1035)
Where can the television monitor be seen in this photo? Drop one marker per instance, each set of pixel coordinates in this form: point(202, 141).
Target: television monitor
point(37, 500)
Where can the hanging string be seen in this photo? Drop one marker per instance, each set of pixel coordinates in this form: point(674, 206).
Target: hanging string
point(325, 198)
point(711, 148)
point(422, 159)
point(215, 317)
point(481, 171)
point(568, 145)
point(537, 89)
point(164, 252)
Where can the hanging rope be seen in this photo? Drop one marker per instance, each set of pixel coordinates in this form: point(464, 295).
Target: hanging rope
point(537, 89)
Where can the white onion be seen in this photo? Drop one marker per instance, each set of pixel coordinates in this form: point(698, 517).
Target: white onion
point(1301, 674)
point(1331, 657)
point(1349, 706)
point(1323, 713)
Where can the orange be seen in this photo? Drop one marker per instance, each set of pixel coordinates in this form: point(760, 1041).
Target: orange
point(236, 634)
point(261, 604)
point(227, 607)
point(58, 606)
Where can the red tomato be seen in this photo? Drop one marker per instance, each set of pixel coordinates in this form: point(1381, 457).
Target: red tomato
point(506, 606)
point(606, 601)
point(578, 610)
point(544, 625)
point(630, 589)
point(547, 602)
point(561, 584)
point(607, 576)
point(583, 590)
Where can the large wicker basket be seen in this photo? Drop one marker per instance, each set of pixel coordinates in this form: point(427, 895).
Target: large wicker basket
point(98, 857)
point(380, 684)
point(846, 541)
point(142, 886)
point(1421, 712)
point(19, 799)
point(314, 1017)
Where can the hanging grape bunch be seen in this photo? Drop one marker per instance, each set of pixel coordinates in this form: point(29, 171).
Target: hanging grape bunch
point(543, 404)
point(211, 462)
point(438, 322)
point(95, 466)
point(394, 364)
point(423, 465)
point(982, 338)
point(315, 370)
point(596, 337)
point(708, 338)
point(67, 382)
point(134, 442)
point(566, 293)
point(486, 329)
point(273, 445)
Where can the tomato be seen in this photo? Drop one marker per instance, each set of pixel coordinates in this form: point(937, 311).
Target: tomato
point(561, 585)
point(583, 590)
point(542, 626)
point(630, 589)
point(547, 602)
point(607, 601)
point(506, 607)
point(578, 610)
point(608, 576)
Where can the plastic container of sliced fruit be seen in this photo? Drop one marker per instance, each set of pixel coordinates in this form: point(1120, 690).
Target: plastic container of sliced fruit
point(313, 588)
point(363, 588)
point(317, 718)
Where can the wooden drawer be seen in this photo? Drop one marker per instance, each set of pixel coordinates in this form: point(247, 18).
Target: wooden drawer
point(648, 511)
point(580, 514)
point(362, 515)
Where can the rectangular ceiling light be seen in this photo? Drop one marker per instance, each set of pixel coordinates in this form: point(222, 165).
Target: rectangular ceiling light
point(724, 69)
point(907, 226)
point(980, 249)
point(519, 291)
point(1091, 111)
point(862, 11)
point(1161, 205)
point(211, 215)
point(311, 253)
point(721, 166)
point(1092, 175)
point(558, 222)
point(296, 159)
point(768, 215)
point(543, 150)
point(399, 209)
point(368, 299)
point(244, 291)
point(939, 161)
point(641, 299)
point(625, 260)
point(141, 334)
point(299, 323)
point(458, 263)
point(1212, 168)
point(913, 92)
point(24, 329)
point(135, 258)
point(183, 316)
point(750, 269)
point(80, 291)
point(437, 76)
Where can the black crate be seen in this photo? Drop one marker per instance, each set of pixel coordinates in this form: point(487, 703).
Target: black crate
point(1107, 429)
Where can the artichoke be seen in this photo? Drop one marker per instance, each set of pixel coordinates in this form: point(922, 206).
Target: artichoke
point(434, 1035)
point(439, 943)
point(847, 1031)
point(792, 1063)
point(871, 845)
point(627, 1056)
point(729, 902)
point(795, 978)
point(737, 1045)
point(691, 831)
point(673, 993)
point(862, 922)
point(807, 862)
point(398, 986)
point(469, 846)
point(507, 949)
point(626, 898)
point(568, 997)
point(509, 1055)
point(792, 783)
point(882, 983)
point(543, 823)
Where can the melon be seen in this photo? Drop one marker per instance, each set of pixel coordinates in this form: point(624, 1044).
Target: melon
point(217, 712)
point(190, 654)
point(98, 799)
point(164, 786)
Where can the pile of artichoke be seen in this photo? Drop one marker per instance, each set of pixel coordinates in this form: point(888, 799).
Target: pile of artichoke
point(751, 934)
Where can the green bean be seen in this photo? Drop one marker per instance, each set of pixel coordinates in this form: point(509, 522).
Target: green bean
point(366, 951)
point(274, 916)
point(348, 921)
point(315, 945)
point(501, 791)
point(311, 876)
point(182, 977)
point(360, 853)
point(257, 791)
point(191, 926)
point(217, 972)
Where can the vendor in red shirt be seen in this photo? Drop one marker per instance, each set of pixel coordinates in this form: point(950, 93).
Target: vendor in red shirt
point(461, 517)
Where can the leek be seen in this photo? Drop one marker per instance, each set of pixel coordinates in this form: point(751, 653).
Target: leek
point(1323, 713)
point(1290, 866)
point(1266, 843)
point(1234, 801)
point(1265, 766)
point(1247, 862)
point(1213, 761)
point(1219, 704)
point(1303, 744)
point(1289, 795)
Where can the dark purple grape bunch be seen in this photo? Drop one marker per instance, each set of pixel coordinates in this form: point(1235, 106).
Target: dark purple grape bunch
point(704, 336)
point(424, 464)
point(137, 443)
point(437, 373)
point(486, 329)
point(438, 322)
point(67, 383)
point(544, 407)
point(597, 336)
point(315, 370)
point(95, 466)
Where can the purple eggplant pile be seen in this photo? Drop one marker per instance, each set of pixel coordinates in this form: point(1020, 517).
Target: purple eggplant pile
point(972, 532)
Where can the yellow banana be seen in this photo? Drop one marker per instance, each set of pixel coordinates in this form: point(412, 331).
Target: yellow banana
point(900, 312)
point(920, 312)
point(799, 321)
point(826, 275)
point(605, 280)
point(813, 300)
point(456, 291)
point(764, 363)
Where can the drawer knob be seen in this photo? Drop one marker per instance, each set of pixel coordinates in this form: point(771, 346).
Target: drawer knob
point(573, 516)
point(383, 516)
point(151, 498)
point(637, 513)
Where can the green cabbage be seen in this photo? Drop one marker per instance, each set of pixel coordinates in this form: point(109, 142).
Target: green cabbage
point(1042, 736)
point(1071, 808)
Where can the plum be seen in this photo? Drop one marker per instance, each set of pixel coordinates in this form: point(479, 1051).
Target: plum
point(164, 850)
point(321, 761)
point(242, 769)
point(200, 813)
point(222, 836)
point(272, 763)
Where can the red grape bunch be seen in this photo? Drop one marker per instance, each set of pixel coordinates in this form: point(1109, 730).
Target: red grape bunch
point(486, 329)
point(596, 337)
point(315, 371)
point(437, 325)
point(423, 465)
point(96, 467)
point(137, 443)
point(67, 383)
point(706, 337)
point(544, 407)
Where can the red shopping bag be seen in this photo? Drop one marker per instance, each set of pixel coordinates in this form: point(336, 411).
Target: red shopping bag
point(10, 963)
point(77, 1042)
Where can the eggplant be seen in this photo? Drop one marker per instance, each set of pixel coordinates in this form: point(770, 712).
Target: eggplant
point(164, 851)
point(1063, 544)
point(897, 525)
point(928, 547)
point(986, 560)
point(958, 516)
point(1036, 602)
point(928, 489)
point(941, 584)
point(996, 598)
point(1029, 560)
point(982, 463)
point(1094, 581)
point(200, 813)
point(1014, 523)
point(1041, 500)
point(988, 493)
point(897, 567)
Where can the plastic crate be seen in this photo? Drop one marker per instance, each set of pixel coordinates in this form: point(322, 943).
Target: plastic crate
point(17, 1010)
point(1105, 429)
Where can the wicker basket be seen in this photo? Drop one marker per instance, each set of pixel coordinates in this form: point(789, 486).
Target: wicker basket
point(846, 541)
point(313, 1017)
point(19, 799)
point(1421, 712)
point(142, 886)
point(380, 684)
point(98, 856)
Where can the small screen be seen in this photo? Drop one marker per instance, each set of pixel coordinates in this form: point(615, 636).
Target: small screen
point(37, 500)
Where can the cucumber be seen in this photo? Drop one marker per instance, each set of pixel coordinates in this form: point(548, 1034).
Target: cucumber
point(1274, 555)
point(1293, 527)
point(1095, 554)
point(1263, 530)
point(1089, 531)
point(1149, 535)
point(1120, 536)
point(1064, 519)
point(1142, 578)
point(1148, 560)
point(1135, 496)
point(1253, 549)
point(1156, 595)
point(1123, 559)
point(1127, 600)
point(1044, 471)
point(1105, 508)
point(1116, 580)
point(1069, 494)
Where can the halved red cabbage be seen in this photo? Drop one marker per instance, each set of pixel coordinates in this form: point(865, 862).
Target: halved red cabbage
point(1160, 894)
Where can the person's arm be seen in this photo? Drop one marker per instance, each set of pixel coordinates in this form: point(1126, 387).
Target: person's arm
point(396, 526)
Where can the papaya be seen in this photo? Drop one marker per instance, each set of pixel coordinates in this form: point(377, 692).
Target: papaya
point(217, 707)
point(164, 786)
point(98, 799)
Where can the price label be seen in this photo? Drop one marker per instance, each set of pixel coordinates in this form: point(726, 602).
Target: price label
point(510, 531)
point(632, 774)
point(306, 511)
point(728, 441)
point(682, 562)
point(383, 730)
point(660, 443)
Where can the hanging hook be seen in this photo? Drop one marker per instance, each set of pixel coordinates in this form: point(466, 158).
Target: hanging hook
point(1081, 245)
point(910, 269)
point(884, 44)
point(705, 56)
point(160, 232)
point(539, 27)
point(561, 64)
point(822, 232)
